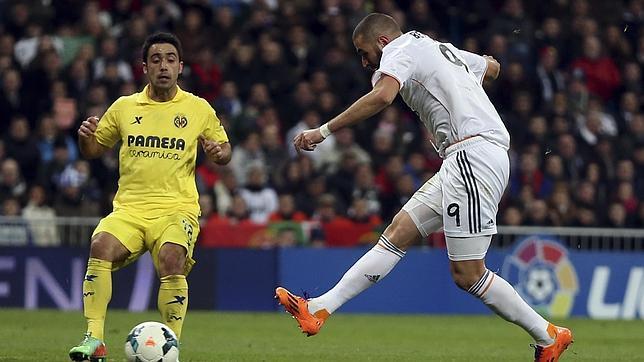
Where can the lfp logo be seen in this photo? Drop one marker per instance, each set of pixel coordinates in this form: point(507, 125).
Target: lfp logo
point(543, 275)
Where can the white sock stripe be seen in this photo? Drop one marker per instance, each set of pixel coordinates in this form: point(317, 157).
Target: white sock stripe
point(474, 289)
point(390, 246)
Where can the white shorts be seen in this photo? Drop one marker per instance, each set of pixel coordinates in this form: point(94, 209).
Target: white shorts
point(465, 192)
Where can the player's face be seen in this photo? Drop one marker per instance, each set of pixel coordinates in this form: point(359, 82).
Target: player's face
point(369, 52)
point(163, 65)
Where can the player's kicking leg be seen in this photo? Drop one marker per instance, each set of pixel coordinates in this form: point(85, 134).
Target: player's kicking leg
point(368, 270)
point(470, 274)
point(97, 292)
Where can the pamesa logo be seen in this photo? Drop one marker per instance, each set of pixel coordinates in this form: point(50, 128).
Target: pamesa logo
point(543, 275)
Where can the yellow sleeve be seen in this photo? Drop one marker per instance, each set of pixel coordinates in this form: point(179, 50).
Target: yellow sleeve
point(213, 129)
point(107, 133)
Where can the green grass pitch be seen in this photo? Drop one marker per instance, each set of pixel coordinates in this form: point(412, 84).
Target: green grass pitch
point(215, 336)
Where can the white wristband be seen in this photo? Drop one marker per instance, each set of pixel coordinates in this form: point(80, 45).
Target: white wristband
point(324, 130)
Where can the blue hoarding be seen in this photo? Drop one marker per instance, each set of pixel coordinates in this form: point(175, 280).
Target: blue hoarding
point(554, 280)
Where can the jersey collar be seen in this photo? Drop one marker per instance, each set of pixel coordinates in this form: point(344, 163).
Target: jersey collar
point(142, 97)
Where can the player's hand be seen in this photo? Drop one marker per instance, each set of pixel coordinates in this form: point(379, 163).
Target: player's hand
point(308, 140)
point(88, 127)
point(212, 148)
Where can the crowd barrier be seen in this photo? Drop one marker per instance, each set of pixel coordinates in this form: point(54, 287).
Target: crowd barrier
point(218, 233)
point(557, 281)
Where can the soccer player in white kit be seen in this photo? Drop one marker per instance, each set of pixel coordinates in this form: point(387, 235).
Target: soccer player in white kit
point(443, 85)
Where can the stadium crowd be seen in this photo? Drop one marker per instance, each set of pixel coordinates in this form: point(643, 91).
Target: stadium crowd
point(570, 92)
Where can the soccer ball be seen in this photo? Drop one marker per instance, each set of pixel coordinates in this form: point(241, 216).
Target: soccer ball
point(151, 341)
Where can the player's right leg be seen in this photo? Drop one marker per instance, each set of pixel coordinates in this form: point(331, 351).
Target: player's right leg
point(415, 220)
point(107, 252)
point(368, 270)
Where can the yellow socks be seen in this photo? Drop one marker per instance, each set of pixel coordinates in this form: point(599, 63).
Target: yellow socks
point(97, 292)
point(173, 301)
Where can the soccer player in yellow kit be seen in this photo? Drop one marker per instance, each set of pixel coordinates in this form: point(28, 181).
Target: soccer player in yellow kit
point(156, 206)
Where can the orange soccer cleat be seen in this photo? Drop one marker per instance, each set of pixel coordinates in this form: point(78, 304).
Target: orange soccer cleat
point(551, 353)
point(298, 307)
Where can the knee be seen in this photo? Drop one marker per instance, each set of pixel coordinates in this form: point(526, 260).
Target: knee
point(402, 231)
point(106, 248)
point(172, 260)
point(465, 279)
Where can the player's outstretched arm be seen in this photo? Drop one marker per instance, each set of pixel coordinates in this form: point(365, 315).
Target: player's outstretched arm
point(382, 94)
point(89, 146)
point(219, 153)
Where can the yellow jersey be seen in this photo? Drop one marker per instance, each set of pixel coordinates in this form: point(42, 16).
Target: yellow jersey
point(158, 150)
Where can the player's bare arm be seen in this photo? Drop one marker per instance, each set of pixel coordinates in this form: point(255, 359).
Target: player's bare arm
point(89, 146)
point(382, 94)
point(492, 71)
point(219, 153)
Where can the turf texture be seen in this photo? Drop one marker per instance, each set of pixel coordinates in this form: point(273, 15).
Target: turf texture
point(47, 335)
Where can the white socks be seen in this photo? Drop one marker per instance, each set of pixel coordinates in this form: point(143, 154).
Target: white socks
point(499, 296)
point(371, 268)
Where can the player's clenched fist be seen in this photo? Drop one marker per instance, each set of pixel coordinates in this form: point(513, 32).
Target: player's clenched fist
point(308, 140)
point(88, 127)
point(218, 152)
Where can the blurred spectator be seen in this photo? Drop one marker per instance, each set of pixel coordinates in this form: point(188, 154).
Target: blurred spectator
point(13, 232)
point(228, 100)
point(344, 142)
point(41, 218)
point(365, 188)
point(512, 216)
point(206, 75)
point(50, 172)
point(274, 150)
point(360, 213)
point(286, 210)
point(225, 189)
point(259, 197)
point(76, 191)
point(207, 208)
point(601, 74)
point(626, 196)
point(12, 100)
point(617, 217)
point(238, 211)
point(561, 206)
point(550, 79)
point(48, 135)
point(20, 146)
point(245, 156)
point(193, 33)
point(108, 55)
point(11, 183)
point(537, 214)
point(314, 188)
point(528, 174)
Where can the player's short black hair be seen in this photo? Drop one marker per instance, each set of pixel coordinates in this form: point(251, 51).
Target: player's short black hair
point(161, 38)
point(376, 24)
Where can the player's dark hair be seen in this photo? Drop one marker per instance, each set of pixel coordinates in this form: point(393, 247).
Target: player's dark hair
point(161, 38)
point(375, 24)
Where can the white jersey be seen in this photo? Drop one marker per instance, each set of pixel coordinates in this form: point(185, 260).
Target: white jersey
point(443, 85)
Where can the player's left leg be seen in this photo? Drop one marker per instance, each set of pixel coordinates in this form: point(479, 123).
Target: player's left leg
point(475, 176)
point(172, 255)
point(467, 266)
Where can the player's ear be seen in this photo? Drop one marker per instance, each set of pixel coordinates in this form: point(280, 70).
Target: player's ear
point(383, 40)
point(145, 68)
point(180, 67)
